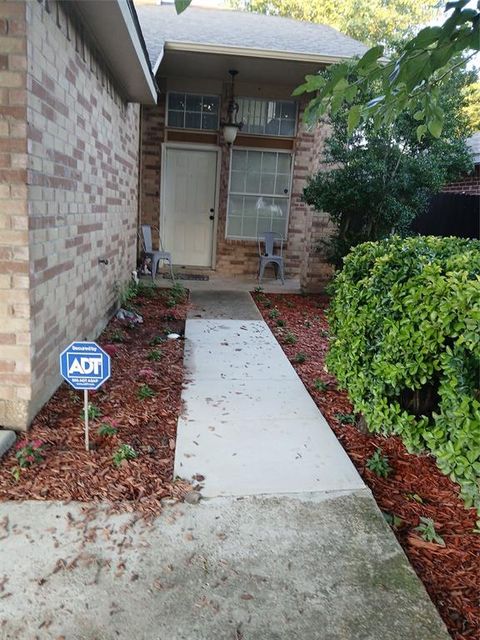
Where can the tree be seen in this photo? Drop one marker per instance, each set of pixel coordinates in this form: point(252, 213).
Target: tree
point(411, 80)
point(370, 21)
point(380, 179)
point(471, 108)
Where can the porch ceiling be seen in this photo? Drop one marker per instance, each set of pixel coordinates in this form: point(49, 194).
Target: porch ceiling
point(178, 61)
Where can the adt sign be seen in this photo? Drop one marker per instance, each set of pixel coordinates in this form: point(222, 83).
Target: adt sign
point(85, 365)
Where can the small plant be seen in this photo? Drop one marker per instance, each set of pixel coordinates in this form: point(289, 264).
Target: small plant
point(144, 392)
point(124, 452)
point(127, 296)
point(258, 290)
point(167, 330)
point(93, 412)
point(323, 333)
point(176, 295)
point(145, 290)
point(117, 336)
point(426, 529)
point(320, 385)
point(267, 303)
point(280, 323)
point(107, 430)
point(300, 358)
point(290, 304)
point(156, 341)
point(290, 338)
point(29, 453)
point(155, 355)
point(345, 418)
point(394, 521)
point(378, 464)
point(274, 313)
point(307, 324)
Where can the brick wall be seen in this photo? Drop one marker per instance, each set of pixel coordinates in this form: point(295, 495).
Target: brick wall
point(14, 254)
point(80, 195)
point(468, 185)
point(238, 257)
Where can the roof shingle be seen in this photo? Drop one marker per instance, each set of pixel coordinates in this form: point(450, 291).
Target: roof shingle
point(227, 28)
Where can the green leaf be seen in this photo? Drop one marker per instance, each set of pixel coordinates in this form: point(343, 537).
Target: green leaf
point(435, 126)
point(354, 118)
point(370, 56)
point(181, 5)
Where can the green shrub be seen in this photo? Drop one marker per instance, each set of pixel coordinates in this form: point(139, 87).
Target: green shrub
point(405, 325)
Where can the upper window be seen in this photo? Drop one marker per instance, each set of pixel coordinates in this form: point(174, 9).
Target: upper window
point(268, 117)
point(192, 111)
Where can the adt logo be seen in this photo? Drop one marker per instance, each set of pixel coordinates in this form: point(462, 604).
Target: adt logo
point(85, 365)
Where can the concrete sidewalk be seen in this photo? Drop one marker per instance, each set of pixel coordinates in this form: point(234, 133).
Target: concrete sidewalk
point(249, 425)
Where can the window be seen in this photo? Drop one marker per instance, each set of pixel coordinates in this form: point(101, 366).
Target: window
point(259, 195)
point(268, 117)
point(191, 111)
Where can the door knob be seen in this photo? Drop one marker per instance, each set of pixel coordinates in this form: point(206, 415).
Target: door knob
point(212, 217)
point(212, 210)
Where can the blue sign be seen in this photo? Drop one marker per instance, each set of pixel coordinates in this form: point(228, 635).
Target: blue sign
point(85, 365)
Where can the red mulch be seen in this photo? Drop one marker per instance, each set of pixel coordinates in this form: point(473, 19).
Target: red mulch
point(451, 575)
point(149, 426)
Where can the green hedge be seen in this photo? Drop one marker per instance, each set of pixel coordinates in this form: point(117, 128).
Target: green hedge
point(405, 326)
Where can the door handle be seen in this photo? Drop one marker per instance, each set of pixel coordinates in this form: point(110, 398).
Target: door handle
point(212, 210)
point(212, 217)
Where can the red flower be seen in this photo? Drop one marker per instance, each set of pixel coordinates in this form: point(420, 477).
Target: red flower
point(36, 444)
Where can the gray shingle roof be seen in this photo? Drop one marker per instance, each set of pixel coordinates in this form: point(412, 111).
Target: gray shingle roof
point(219, 27)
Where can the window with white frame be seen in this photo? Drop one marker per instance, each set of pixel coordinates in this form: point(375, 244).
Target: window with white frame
point(259, 194)
point(192, 111)
point(268, 117)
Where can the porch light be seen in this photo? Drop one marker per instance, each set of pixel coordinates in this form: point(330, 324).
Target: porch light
point(231, 127)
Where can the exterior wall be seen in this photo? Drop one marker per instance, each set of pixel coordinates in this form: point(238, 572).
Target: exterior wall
point(14, 253)
point(80, 194)
point(237, 257)
point(468, 185)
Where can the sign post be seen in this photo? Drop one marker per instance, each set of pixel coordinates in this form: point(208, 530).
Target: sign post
point(85, 365)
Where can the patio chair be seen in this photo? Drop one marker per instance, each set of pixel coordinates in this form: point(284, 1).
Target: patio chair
point(268, 255)
point(155, 256)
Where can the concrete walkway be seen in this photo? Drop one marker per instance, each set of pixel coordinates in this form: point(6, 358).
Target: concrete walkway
point(317, 564)
point(249, 426)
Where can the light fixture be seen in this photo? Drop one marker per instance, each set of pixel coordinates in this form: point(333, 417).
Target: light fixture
point(231, 127)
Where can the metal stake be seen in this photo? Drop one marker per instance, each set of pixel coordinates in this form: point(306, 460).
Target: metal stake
point(85, 412)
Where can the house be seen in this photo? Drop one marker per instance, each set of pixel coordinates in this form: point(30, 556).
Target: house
point(211, 200)
point(99, 132)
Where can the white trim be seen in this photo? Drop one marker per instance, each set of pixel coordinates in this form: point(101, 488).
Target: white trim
point(289, 198)
point(193, 147)
point(271, 54)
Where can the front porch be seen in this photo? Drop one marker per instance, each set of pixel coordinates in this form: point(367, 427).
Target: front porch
point(220, 282)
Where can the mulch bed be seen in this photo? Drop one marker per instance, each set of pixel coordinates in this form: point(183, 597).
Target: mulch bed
point(68, 472)
point(415, 488)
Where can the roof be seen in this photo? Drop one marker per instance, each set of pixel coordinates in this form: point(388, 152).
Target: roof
point(474, 145)
point(269, 36)
point(114, 26)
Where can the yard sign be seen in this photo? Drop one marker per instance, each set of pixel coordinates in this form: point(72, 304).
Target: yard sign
point(85, 365)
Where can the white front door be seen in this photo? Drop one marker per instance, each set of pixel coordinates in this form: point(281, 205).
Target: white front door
point(189, 205)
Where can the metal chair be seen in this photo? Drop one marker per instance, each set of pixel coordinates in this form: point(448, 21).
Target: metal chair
point(268, 255)
point(155, 256)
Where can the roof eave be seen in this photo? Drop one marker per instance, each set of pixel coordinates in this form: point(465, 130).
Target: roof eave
point(273, 54)
point(115, 30)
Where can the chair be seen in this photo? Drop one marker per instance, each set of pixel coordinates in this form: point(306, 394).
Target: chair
point(155, 256)
point(268, 256)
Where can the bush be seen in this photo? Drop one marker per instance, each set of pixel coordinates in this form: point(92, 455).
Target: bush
point(405, 322)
